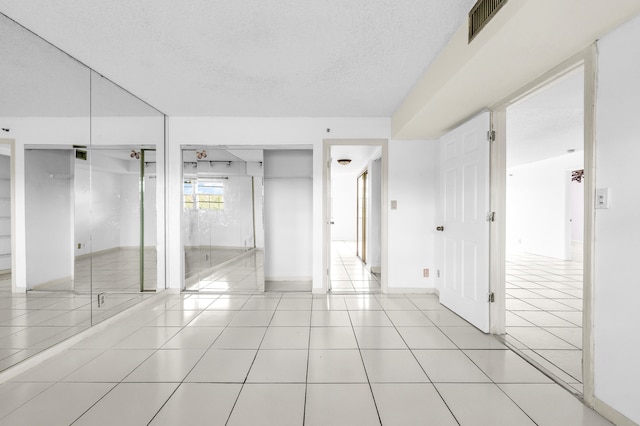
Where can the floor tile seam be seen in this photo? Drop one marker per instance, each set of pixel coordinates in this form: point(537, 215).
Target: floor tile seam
point(555, 365)
point(364, 367)
point(553, 377)
point(545, 329)
point(28, 400)
point(95, 403)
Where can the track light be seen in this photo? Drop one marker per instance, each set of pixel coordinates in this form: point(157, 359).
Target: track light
point(201, 154)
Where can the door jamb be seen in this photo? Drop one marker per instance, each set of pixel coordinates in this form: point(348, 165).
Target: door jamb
point(587, 59)
point(326, 180)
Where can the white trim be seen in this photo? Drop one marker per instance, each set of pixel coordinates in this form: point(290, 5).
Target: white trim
point(411, 290)
point(612, 414)
point(326, 179)
point(497, 232)
point(12, 174)
point(587, 59)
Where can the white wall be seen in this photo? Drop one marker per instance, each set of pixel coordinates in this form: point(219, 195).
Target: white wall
point(617, 229)
point(413, 184)
point(259, 131)
point(539, 206)
point(49, 216)
point(288, 211)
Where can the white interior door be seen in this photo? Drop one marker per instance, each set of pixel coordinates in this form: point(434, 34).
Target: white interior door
point(464, 242)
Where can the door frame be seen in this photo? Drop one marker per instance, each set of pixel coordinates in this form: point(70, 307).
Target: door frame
point(13, 226)
point(587, 59)
point(361, 251)
point(326, 207)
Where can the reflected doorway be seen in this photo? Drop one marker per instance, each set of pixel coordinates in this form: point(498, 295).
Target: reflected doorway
point(222, 219)
point(545, 228)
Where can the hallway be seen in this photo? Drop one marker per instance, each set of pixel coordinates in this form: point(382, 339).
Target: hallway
point(285, 358)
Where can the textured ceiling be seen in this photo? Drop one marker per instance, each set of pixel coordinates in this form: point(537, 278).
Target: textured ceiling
point(548, 123)
point(253, 57)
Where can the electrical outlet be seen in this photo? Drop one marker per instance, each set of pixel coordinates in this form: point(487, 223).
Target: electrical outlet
point(101, 297)
point(425, 272)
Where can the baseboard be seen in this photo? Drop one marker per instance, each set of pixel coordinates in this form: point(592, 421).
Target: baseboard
point(53, 283)
point(410, 290)
point(112, 250)
point(612, 414)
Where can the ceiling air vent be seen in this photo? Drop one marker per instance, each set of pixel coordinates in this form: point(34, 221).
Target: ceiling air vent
point(481, 13)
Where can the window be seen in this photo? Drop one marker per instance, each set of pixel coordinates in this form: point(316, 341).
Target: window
point(204, 194)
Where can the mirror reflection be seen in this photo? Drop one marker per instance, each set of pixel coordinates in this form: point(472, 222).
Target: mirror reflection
point(223, 230)
point(88, 177)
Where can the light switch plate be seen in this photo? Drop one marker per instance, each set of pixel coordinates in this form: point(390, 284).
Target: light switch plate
point(602, 198)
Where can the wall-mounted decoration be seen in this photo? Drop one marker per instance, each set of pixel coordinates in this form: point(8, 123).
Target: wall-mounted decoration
point(577, 175)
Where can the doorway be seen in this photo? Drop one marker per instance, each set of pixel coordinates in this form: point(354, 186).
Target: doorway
point(545, 213)
point(355, 209)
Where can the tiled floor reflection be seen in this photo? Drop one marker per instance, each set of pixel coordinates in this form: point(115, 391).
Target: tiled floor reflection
point(544, 312)
point(111, 271)
point(238, 271)
point(348, 273)
point(281, 358)
point(32, 322)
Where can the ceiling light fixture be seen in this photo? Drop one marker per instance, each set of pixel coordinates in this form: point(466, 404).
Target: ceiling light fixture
point(344, 161)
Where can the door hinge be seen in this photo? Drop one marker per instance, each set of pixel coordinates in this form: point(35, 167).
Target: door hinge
point(491, 216)
point(491, 135)
point(492, 297)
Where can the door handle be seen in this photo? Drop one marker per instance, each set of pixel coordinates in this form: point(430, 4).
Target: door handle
point(440, 228)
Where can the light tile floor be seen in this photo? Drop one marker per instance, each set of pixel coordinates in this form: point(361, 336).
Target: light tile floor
point(280, 359)
point(544, 312)
point(348, 273)
point(33, 321)
point(237, 271)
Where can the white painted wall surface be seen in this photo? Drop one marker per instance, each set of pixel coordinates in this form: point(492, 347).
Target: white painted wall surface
point(258, 131)
point(539, 206)
point(49, 231)
point(288, 210)
point(617, 229)
point(413, 184)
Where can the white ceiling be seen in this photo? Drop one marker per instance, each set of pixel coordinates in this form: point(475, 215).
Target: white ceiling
point(358, 154)
point(253, 57)
point(548, 123)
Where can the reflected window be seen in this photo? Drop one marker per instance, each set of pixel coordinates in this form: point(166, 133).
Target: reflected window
point(204, 194)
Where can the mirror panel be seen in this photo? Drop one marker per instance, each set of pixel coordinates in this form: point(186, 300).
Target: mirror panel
point(222, 219)
point(126, 137)
point(79, 195)
point(45, 110)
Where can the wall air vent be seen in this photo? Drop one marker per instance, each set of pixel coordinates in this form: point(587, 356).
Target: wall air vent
point(81, 155)
point(481, 13)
